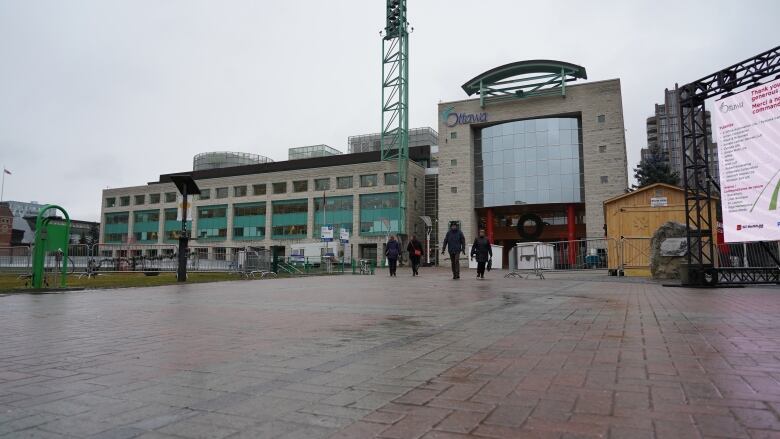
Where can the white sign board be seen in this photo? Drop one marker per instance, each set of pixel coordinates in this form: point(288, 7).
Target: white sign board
point(344, 235)
point(659, 202)
point(180, 206)
point(748, 132)
point(326, 232)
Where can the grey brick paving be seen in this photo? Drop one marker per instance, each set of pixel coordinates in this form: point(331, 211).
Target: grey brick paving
point(371, 356)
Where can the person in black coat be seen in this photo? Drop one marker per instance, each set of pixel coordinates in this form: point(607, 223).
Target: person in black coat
point(481, 250)
point(393, 252)
point(415, 250)
point(455, 243)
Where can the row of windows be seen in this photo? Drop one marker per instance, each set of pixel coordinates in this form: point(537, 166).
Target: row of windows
point(320, 184)
point(139, 200)
point(290, 217)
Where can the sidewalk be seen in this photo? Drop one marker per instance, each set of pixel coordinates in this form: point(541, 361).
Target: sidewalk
point(371, 356)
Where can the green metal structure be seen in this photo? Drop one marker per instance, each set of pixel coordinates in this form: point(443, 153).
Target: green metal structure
point(51, 235)
point(524, 79)
point(395, 98)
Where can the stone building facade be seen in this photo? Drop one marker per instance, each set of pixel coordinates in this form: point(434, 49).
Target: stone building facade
point(598, 111)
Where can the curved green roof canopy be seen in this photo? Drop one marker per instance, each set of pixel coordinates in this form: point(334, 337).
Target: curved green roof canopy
point(525, 79)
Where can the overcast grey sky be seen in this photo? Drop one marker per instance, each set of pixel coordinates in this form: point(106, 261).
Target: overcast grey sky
point(106, 93)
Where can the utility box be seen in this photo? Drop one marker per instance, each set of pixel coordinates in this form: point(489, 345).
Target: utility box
point(632, 219)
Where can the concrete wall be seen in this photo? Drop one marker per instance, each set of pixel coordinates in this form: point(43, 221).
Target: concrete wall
point(588, 101)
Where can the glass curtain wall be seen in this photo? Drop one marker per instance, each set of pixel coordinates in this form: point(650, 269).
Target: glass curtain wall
point(535, 161)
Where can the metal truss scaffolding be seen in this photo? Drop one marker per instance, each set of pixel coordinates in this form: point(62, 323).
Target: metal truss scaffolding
point(395, 98)
point(697, 181)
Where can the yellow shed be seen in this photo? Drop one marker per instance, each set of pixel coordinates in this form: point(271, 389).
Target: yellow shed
point(632, 218)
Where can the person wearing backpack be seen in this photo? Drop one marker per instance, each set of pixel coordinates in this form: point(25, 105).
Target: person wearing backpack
point(415, 250)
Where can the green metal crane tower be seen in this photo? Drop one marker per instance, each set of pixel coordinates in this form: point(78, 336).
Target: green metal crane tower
point(395, 97)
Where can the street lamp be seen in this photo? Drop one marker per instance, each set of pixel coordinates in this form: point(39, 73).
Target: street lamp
point(186, 186)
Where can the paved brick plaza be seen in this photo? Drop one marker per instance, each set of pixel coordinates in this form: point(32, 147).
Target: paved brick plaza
point(362, 357)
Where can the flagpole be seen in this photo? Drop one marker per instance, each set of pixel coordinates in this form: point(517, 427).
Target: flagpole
point(2, 186)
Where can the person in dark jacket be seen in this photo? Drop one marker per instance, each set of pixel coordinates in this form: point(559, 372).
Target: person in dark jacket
point(481, 250)
point(455, 243)
point(393, 252)
point(415, 250)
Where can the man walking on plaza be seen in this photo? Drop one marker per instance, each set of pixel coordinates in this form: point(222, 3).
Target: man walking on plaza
point(482, 251)
point(455, 243)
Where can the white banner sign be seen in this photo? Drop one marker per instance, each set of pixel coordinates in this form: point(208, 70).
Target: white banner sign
point(748, 130)
point(327, 233)
point(180, 206)
point(659, 202)
point(344, 235)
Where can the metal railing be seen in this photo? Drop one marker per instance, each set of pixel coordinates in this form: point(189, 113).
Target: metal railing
point(748, 254)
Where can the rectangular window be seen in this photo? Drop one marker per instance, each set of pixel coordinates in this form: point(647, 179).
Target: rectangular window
point(391, 178)
point(212, 212)
point(369, 180)
point(415, 181)
point(170, 197)
point(222, 192)
point(379, 213)
point(170, 214)
point(454, 190)
point(601, 118)
point(145, 237)
point(212, 222)
point(290, 219)
point(139, 199)
point(117, 218)
point(602, 148)
point(239, 191)
point(344, 182)
point(301, 186)
point(110, 202)
point(604, 179)
point(454, 135)
point(337, 213)
point(454, 162)
point(124, 201)
point(280, 188)
point(146, 216)
point(212, 234)
point(249, 233)
point(321, 184)
point(252, 209)
point(258, 189)
point(154, 198)
point(205, 194)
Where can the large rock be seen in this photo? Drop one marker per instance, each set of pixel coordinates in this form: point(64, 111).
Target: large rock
point(668, 248)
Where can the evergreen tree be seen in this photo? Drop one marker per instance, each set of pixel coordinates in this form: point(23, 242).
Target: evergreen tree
point(654, 170)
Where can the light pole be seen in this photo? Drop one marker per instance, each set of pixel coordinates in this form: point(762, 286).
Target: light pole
point(428, 229)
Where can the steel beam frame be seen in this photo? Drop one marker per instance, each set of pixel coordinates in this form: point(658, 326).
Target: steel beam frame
point(394, 137)
point(697, 181)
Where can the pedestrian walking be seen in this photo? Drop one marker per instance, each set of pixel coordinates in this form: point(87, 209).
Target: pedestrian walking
point(482, 251)
point(393, 251)
point(455, 243)
point(415, 250)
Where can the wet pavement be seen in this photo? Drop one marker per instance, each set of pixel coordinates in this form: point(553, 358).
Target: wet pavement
point(370, 356)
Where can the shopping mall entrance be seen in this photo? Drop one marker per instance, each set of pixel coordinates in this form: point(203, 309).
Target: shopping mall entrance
point(510, 225)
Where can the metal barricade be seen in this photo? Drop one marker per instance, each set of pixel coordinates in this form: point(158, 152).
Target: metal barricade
point(254, 262)
point(132, 258)
point(16, 260)
point(748, 254)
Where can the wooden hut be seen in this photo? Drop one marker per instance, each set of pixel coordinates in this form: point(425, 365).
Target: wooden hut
point(632, 218)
